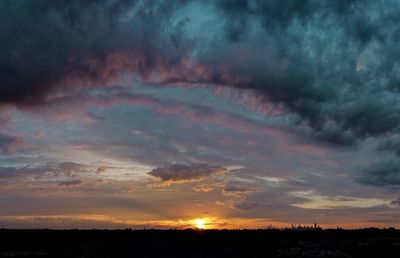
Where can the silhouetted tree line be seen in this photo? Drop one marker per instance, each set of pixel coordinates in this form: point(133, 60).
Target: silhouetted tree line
point(200, 243)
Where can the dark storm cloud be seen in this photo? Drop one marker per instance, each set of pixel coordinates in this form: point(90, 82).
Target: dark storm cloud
point(328, 61)
point(384, 173)
point(44, 43)
point(275, 14)
point(387, 172)
point(391, 144)
point(332, 63)
point(180, 172)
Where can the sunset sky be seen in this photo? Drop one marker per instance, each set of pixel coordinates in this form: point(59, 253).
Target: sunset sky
point(170, 114)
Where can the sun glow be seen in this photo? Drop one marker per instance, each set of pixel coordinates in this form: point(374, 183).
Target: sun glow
point(200, 223)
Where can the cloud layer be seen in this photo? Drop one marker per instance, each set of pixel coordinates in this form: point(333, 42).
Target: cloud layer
point(50, 44)
point(7, 143)
point(181, 172)
point(298, 96)
point(331, 63)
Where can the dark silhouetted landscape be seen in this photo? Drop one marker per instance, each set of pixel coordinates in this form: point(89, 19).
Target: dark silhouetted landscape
point(200, 243)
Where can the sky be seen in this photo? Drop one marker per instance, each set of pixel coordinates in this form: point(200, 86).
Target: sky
point(234, 113)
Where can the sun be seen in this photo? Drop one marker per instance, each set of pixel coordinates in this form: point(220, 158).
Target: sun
point(200, 223)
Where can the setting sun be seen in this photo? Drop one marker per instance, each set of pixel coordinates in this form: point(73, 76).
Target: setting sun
point(199, 223)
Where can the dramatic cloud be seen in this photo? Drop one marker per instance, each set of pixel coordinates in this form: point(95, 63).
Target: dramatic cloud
point(321, 59)
point(331, 63)
point(180, 172)
point(391, 144)
point(386, 173)
point(293, 98)
point(50, 43)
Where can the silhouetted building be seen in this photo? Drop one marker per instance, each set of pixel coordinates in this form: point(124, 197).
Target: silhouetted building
point(300, 227)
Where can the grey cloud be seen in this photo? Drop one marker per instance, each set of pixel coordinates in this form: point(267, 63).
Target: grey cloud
point(6, 143)
point(69, 167)
point(277, 14)
point(325, 60)
point(333, 63)
point(391, 144)
point(181, 172)
point(384, 173)
point(396, 201)
point(70, 182)
point(10, 173)
point(237, 189)
point(335, 66)
point(244, 205)
point(7, 172)
point(45, 173)
point(49, 42)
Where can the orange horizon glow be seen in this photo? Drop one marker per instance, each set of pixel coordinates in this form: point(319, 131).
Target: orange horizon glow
point(201, 223)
